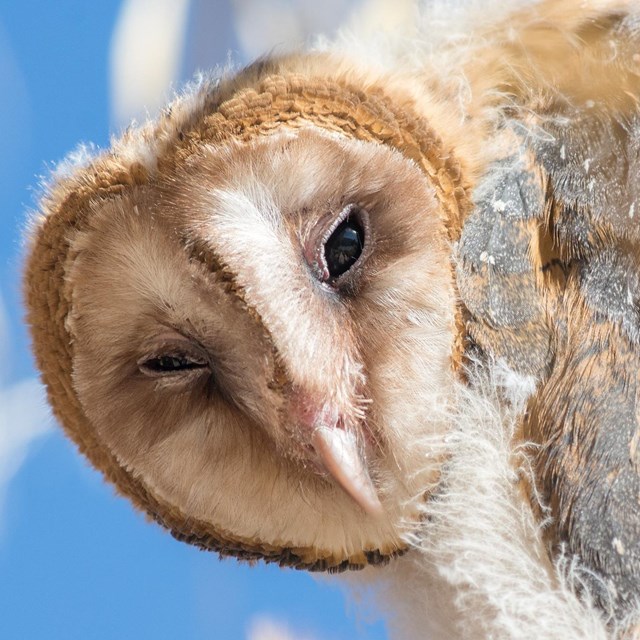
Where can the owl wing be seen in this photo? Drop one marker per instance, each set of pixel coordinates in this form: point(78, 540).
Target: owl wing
point(586, 411)
point(548, 266)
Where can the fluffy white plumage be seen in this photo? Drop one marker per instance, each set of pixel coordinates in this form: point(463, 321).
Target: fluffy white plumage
point(478, 566)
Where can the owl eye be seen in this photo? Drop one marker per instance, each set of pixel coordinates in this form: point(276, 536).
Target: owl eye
point(169, 364)
point(344, 246)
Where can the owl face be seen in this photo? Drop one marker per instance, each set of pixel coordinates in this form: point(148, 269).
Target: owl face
point(254, 336)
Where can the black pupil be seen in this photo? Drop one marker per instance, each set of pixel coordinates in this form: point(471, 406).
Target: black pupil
point(171, 363)
point(344, 246)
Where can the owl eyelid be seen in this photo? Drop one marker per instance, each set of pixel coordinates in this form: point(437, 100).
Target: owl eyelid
point(188, 358)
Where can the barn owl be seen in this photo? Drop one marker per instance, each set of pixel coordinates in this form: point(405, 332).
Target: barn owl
point(269, 316)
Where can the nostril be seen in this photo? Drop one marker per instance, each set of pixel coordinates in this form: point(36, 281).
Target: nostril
point(308, 413)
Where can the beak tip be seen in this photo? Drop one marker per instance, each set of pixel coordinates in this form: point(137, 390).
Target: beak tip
point(342, 458)
point(373, 506)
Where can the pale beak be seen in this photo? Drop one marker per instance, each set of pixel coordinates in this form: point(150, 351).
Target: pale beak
point(343, 459)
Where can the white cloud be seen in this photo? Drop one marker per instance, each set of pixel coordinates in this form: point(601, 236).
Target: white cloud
point(24, 416)
point(268, 628)
point(146, 51)
point(264, 24)
point(153, 38)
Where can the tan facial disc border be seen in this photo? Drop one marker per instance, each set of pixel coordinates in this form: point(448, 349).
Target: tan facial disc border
point(255, 109)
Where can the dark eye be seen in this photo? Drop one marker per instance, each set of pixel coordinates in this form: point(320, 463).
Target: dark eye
point(344, 246)
point(168, 364)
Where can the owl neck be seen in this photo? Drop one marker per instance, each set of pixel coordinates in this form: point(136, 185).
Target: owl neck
point(477, 566)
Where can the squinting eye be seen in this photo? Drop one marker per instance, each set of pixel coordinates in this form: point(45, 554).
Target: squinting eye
point(344, 246)
point(168, 364)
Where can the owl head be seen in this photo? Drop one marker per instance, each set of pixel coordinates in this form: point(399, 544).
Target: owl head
point(245, 312)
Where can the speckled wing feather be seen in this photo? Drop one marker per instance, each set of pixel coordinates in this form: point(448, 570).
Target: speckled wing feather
point(496, 273)
point(586, 411)
point(548, 267)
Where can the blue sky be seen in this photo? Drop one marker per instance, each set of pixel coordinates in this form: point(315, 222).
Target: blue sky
point(75, 560)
